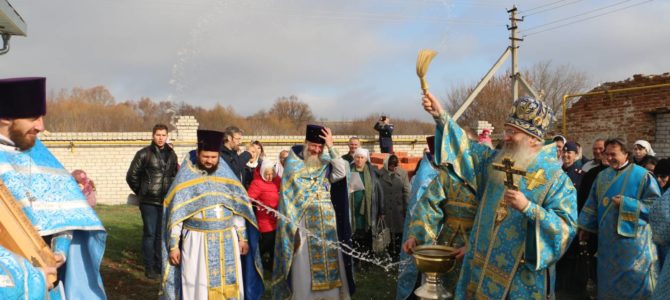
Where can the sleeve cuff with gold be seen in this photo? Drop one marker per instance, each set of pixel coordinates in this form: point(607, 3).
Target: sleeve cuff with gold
point(174, 242)
point(241, 233)
point(333, 152)
point(530, 211)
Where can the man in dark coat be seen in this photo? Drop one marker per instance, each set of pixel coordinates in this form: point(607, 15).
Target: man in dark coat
point(385, 129)
point(230, 152)
point(150, 175)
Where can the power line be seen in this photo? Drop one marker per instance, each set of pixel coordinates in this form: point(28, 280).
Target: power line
point(543, 6)
point(552, 8)
point(586, 19)
point(577, 15)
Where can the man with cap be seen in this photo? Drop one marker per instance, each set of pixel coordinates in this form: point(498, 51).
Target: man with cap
point(210, 234)
point(521, 229)
point(309, 262)
point(47, 193)
point(617, 211)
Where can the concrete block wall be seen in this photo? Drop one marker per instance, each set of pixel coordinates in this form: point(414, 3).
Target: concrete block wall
point(662, 141)
point(105, 156)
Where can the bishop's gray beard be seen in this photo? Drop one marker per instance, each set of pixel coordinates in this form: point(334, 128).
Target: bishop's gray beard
point(520, 154)
point(312, 162)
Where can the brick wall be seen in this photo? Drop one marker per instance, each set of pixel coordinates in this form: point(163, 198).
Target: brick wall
point(105, 156)
point(632, 115)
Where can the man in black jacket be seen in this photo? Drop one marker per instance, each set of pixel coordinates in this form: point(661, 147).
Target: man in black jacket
point(150, 176)
point(229, 152)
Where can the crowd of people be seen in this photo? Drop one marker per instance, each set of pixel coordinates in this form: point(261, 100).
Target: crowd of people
point(528, 219)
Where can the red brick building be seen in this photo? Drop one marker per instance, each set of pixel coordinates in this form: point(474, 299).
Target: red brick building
point(632, 114)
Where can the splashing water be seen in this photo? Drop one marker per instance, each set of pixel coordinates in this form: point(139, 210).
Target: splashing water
point(384, 262)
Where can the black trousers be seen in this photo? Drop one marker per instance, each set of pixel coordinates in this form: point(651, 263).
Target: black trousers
point(152, 217)
point(267, 245)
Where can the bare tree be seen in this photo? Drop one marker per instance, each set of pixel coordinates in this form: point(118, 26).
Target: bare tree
point(494, 101)
point(293, 110)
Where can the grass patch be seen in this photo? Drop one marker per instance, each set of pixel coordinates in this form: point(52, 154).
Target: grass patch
point(123, 272)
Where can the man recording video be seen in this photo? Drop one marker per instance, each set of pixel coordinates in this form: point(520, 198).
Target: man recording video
point(385, 129)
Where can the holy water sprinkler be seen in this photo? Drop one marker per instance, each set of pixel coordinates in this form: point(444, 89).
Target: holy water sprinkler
point(422, 63)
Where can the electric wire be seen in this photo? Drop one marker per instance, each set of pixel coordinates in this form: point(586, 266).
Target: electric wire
point(577, 15)
point(543, 6)
point(586, 19)
point(552, 8)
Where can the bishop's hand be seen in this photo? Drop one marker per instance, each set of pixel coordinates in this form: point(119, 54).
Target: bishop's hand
point(431, 105)
point(409, 245)
point(516, 199)
point(244, 248)
point(175, 257)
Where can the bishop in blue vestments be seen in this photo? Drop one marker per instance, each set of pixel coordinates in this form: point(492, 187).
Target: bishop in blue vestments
point(519, 231)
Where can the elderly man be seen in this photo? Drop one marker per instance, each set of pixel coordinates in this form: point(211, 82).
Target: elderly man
point(354, 143)
point(617, 210)
point(365, 199)
point(524, 225)
point(210, 241)
point(47, 192)
point(308, 262)
point(598, 148)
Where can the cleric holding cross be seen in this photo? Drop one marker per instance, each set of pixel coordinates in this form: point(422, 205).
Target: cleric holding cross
point(51, 200)
point(517, 235)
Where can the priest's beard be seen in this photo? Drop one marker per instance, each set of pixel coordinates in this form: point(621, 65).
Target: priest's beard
point(520, 153)
point(312, 161)
point(22, 140)
point(209, 170)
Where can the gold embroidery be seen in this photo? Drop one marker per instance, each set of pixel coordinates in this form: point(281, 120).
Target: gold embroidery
point(535, 179)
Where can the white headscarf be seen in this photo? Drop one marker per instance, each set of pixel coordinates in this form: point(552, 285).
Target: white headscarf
point(266, 164)
point(646, 145)
point(362, 152)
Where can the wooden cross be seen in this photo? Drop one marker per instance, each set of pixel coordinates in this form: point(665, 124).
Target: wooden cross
point(507, 167)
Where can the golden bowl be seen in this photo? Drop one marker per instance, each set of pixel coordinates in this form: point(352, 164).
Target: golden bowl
point(435, 258)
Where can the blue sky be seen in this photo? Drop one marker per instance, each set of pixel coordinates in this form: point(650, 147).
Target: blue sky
point(346, 58)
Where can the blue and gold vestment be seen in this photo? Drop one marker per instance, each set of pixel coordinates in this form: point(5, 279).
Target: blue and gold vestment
point(19, 279)
point(408, 273)
point(194, 193)
point(515, 258)
point(53, 202)
point(309, 198)
point(659, 219)
point(627, 259)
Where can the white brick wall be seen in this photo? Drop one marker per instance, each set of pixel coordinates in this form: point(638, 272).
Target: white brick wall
point(105, 156)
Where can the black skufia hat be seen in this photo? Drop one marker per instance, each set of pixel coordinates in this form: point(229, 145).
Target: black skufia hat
point(23, 97)
point(210, 140)
point(313, 134)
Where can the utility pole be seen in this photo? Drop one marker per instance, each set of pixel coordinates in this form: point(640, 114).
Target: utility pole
point(514, 47)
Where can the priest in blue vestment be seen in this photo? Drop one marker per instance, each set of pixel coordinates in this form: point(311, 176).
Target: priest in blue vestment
point(210, 234)
point(310, 261)
point(408, 274)
point(617, 210)
point(48, 194)
point(519, 232)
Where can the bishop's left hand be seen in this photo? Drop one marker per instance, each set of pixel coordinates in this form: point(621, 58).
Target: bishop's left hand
point(515, 199)
point(244, 248)
point(616, 200)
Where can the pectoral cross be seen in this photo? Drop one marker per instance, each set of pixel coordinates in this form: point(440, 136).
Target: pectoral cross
point(507, 166)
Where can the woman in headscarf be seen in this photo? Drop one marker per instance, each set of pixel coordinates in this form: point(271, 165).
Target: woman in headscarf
point(642, 149)
point(86, 185)
point(365, 199)
point(395, 187)
point(265, 189)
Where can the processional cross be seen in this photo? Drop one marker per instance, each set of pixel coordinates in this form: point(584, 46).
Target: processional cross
point(507, 166)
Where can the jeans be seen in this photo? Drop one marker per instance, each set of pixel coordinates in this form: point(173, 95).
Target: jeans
point(152, 217)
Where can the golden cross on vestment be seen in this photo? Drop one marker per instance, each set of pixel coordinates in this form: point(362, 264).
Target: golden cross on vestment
point(507, 166)
point(535, 179)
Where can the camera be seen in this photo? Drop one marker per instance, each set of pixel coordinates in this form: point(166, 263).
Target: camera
point(383, 118)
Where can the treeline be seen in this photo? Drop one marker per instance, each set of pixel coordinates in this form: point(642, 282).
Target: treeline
point(96, 110)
